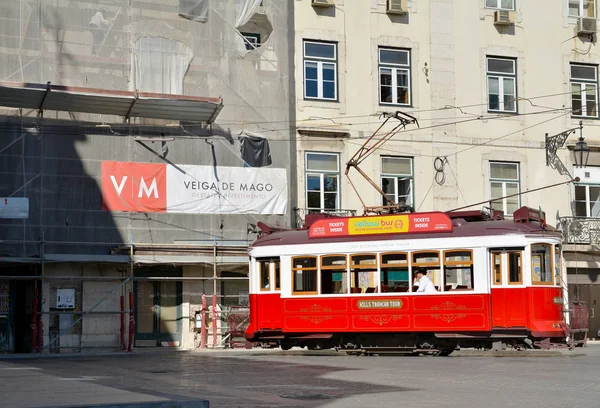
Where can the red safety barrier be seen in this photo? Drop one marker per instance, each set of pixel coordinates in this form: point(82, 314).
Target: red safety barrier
point(131, 322)
point(203, 322)
point(34, 319)
point(214, 319)
point(123, 346)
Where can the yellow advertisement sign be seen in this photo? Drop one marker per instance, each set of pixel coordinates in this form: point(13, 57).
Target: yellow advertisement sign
point(378, 225)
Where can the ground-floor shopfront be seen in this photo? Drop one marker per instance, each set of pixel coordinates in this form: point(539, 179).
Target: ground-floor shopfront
point(88, 306)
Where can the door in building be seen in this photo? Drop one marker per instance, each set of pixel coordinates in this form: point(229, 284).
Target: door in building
point(5, 318)
point(158, 313)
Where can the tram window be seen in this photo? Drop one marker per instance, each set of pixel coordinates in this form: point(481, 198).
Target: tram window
point(264, 274)
point(304, 270)
point(557, 261)
point(497, 265)
point(515, 274)
point(277, 274)
point(458, 269)
point(362, 273)
point(541, 264)
point(394, 272)
point(429, 263)
point(334, 274)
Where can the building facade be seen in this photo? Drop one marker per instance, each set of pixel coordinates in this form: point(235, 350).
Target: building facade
point(141, 168)
point(486, 80)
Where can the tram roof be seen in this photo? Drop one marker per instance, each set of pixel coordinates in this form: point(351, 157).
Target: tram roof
point(460, 228)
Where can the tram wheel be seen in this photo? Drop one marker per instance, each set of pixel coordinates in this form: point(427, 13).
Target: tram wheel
point(445, 352)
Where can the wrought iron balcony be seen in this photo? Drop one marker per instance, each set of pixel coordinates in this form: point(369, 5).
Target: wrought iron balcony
point(580, 230)
point(301, 213)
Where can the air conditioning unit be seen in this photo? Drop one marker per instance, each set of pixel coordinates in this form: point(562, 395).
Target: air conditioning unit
point(322, 3)
point(397, 7)
point(586, 25)
point(504, 17)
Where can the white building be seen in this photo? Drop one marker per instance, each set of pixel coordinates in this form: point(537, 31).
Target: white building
point(486, 79)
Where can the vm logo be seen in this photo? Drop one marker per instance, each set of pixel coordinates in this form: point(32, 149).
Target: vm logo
point(134, 187)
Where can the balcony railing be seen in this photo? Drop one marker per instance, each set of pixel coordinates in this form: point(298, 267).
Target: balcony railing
point(301, 213)
point(580, 230)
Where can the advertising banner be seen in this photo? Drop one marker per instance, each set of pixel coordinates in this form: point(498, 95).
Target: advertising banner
point(148, 187)
point(385, 224)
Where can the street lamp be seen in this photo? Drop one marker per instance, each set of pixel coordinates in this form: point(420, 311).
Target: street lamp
point(581, 151)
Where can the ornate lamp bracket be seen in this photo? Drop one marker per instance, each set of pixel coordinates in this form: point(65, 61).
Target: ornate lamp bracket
point(553, 143)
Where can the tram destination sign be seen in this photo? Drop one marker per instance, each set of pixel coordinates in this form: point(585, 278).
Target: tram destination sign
point(385, 224)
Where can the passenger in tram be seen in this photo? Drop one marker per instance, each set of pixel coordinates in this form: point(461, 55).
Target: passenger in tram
point(423, 282)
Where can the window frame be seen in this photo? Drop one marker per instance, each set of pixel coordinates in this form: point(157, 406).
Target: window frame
point(520, 281)
point(388, 265)
point(396, 178)
point(500, 76)
point(345, 269)
point(582, 82)
point(320, 61)
point(504, 182)
point(396, 68)
point(550, 249)
point(588, 201)
point(321, 174)
point(260, 274)
point(581, 9)
point(456, 264)
point(374, 269)
point(494, 273)
point(248, 42)
point(558, 259)
point(499, 5)
point(427, 265)
point(294, 269)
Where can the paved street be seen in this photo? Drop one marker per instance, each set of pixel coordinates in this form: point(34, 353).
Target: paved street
point(271, 378)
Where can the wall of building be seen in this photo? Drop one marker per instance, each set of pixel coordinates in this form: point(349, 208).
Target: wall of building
point(54, 42)
point(448, 43)
point(168, 47)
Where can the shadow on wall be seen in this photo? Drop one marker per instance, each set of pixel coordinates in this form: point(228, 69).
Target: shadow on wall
point(45, 164)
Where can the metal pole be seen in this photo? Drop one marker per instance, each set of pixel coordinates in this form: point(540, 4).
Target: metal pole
point(122, 322)
point(131, 322)
point(203, 327)
point(131, 294)
point(214, 319)
point(34, 317)
point(214, 296)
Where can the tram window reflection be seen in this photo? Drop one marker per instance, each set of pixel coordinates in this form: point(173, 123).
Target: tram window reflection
point(429, 263)
point(458, 270)
point(557, 261)
point(515, 270)
point(304, 275)
point(363, 269)
point(277, 264)
point(334, 274)
point(497, 265)
point(264, 274)
point(541, 264)
point(394, 272)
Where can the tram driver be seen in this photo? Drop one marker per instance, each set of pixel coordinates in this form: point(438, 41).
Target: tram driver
point(423, 282)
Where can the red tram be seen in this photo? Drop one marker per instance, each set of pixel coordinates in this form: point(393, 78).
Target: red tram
point(347, 283)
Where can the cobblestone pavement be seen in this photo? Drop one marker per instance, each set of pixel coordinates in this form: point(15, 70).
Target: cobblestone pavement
point(298, 378)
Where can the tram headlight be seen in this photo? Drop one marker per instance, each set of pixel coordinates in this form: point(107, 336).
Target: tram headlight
point(558, 300)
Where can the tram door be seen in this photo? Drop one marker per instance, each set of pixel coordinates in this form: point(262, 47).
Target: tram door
point(508, 294)
point(268, 302)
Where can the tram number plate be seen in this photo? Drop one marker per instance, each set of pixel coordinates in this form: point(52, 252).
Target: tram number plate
point(379, 304)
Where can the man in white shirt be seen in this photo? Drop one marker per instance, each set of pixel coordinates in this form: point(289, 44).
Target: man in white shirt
point(425, 284)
